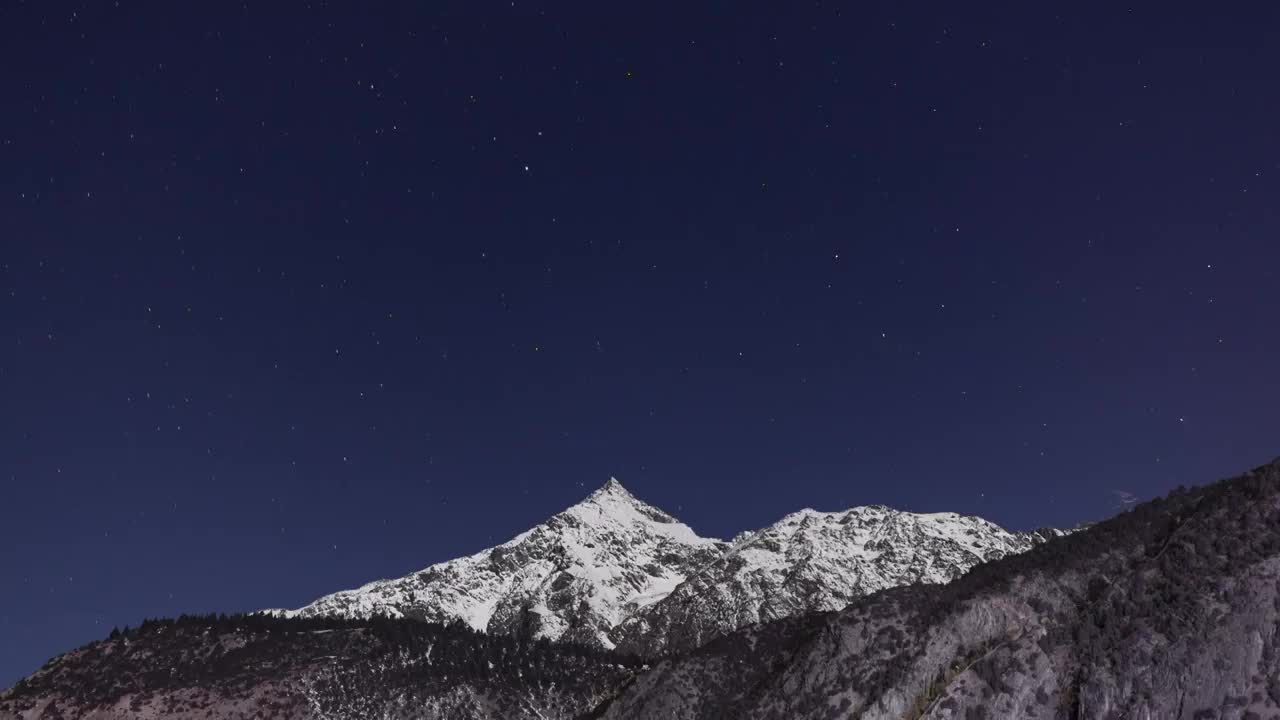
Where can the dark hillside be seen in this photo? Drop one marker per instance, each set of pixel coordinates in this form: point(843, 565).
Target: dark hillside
point(1168, 610)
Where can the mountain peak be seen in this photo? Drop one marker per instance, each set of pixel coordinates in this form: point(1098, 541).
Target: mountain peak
point(573, 577)
point(613, 488)
point(615, 502)
point(615, 569)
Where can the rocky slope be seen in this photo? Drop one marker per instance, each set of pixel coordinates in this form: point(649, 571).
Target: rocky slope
point(1170, 610)
point(615, 570)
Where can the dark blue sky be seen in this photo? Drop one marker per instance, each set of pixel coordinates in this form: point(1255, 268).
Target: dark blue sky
point(294, 296)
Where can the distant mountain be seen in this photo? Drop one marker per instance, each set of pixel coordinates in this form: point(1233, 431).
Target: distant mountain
point(1169, 610)
point(574, 577)
point(815, 561)
point(613, 570)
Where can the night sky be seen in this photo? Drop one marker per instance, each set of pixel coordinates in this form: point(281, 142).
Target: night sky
point(298, 295)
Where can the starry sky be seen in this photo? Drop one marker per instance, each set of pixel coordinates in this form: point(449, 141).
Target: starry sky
point(297, 295)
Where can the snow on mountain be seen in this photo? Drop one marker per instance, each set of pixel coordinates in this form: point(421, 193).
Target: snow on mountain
point(574, 577)
point(1168, 610)
point(816, 561)
point(613, 570)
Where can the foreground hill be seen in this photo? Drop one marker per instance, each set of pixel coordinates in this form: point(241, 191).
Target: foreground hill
point(1169, 610)
point(259, 666)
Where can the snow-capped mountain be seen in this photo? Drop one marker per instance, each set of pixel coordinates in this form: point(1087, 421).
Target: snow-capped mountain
point(574, 577)
point(613, 570)
point(812, 560)
point(1169, 610)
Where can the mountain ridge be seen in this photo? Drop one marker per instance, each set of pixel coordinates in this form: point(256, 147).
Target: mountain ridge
point(570, 577)
point(1170, 609)
point(604, 571)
